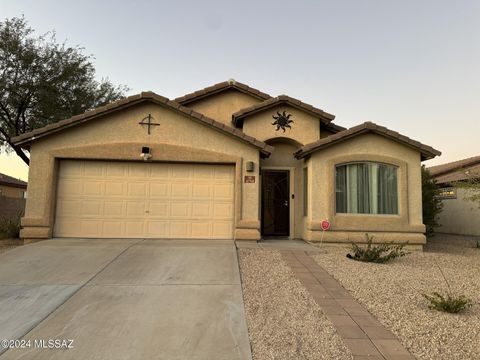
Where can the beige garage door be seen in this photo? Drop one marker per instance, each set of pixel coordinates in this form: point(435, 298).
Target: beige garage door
point(101, 199)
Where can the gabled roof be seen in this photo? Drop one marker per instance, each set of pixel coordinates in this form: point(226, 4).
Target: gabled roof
point(11, 181)
point(25, 139)
point(238, 117)
point(456, 170)
point(427, 151)
point(220, 87)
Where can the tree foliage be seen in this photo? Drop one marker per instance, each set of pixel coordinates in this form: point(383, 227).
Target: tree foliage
point(431, 203)
point(470, 185)
point(43, 81)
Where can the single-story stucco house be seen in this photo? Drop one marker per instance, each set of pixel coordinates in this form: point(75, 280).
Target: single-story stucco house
point(459, 215)
point(225, 162)
point(12, 197)
point(12, 188)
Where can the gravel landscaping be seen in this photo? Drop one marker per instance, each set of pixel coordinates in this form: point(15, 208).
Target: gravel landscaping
point(393, 293)
point(284, 321)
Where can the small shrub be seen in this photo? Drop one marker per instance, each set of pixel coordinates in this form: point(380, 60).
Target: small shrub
point(380, 253)
point(9, 228)
point(448, 303)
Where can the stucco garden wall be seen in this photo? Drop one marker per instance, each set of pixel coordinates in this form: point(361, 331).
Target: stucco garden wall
point(118, 136)
point(459, 216)
point(406, 226)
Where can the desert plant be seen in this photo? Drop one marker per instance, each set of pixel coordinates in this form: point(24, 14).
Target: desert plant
point(449, 302)
point(9, 228)
point(380, 253)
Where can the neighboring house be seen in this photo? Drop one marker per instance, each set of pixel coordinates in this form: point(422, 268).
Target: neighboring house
point(225, 162)
point(12, 188)
point(459, 216)
point(12, 197)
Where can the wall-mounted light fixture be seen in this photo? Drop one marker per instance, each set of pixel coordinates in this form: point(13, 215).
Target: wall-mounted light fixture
point(250, 166)
point(146, 155)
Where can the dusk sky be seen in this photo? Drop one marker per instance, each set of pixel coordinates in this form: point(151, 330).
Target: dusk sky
point(412, 66)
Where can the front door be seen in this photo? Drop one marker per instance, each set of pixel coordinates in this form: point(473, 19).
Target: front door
point(275, 203)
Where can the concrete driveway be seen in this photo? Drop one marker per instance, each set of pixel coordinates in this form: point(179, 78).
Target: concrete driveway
point(123, 299)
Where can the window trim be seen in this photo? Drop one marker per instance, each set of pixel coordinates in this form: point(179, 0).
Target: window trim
point(378, 162)
point(305, 190)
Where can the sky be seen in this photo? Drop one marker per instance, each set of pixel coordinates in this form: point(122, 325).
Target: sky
point(412, 66)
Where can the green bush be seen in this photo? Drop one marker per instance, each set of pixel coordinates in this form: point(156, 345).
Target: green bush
point(9, 228)
point(431, 202)
point(448, 303)
point(380, 253)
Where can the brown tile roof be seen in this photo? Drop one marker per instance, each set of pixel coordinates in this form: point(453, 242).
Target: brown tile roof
point(325, 117)
point(26, 138)
point(456, 170)
point(11, 181)
point(426, 151)
point(226, 85)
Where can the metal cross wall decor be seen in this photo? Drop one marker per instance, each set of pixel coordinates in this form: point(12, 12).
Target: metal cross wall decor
point(282, 121)
point(148, 121)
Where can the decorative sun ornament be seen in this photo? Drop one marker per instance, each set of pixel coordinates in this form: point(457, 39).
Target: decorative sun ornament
point(282, 121)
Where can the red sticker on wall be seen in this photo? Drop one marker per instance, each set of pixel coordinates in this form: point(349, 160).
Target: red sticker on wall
point(325, 225)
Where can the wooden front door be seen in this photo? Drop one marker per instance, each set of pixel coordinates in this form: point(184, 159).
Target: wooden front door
point(275, 203)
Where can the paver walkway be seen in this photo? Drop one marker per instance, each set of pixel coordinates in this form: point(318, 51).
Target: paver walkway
point(365, 336)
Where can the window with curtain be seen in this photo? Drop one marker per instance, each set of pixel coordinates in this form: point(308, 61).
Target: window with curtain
point(366, 188)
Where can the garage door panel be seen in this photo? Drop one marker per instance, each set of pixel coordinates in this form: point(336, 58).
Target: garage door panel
point(153, 200)
point(201, 229)
point(137, 189)
point(68, 187)
point(91, 208)
point(180, 209)
point(68, 207)
point(134, 228)
point(223, 211)
point(93, 188)
point(159, 209)
point(113, 228)
point(114, 189)
point(94, 169)
point(202, 210)
point(181, 190)
point(223, 191)
point(113, 209)
point(180, 229)
point(202, 190)
point(159, 190)
point(136, 209)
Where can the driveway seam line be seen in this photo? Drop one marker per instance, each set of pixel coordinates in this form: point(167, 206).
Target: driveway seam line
point(71, 295)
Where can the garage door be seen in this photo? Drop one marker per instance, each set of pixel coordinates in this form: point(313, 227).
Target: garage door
point(101, 199)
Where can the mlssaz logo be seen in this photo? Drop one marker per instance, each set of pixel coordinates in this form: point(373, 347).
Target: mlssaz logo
point(282, 121)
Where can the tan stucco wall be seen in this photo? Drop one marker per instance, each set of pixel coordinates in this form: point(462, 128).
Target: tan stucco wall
point(305, 128)
point(407, 226)
point(221, 106)
point(459, 216)
point(120, 137)
point(11, 191)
